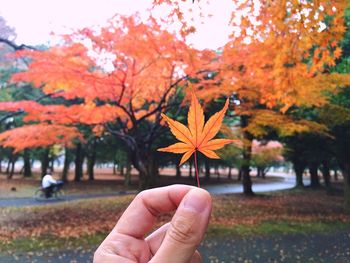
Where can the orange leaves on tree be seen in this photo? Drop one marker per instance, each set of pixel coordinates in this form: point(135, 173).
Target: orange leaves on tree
point(39, 135)
point(198, 136)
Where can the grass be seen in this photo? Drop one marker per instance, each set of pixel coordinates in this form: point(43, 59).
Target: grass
point(278, 227)
point(28, 244)
point(87, 222)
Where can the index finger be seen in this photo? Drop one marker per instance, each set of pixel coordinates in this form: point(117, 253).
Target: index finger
point(140, 216)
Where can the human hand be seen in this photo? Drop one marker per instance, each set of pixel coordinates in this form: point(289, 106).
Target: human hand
point(174, 242)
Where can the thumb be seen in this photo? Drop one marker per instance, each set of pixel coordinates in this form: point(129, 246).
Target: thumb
point(186, 229)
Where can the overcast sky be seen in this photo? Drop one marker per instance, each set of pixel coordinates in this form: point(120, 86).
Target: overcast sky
point(35, 19)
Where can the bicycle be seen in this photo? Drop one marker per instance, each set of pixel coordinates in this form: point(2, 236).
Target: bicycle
point(57, 193)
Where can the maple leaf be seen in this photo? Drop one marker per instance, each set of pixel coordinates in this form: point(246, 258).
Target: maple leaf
point(198, 136)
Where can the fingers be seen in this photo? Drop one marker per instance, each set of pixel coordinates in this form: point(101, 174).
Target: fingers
point(122, 247)
point(186, 229)
point(110, 258)
point(155, 239)
point(141, 214)
point(196, 258)
point(174, 242)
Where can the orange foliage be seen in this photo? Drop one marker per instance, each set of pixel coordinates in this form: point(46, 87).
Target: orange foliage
point(123, 73)
point(127, 62)
point(282, 54)
point(39, 135)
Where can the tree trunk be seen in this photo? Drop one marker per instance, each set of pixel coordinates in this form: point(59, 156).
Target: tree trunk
point(45, 160)
point(12, 171)
point(178, 171)
point(11, 166)
point(114, 165)
point(217, 172)
point(145, 163)
point(246, 179)
point(190, 170)
point(121, 169)
point(247, 155)
point(90, 168)
point(299, 168)
point(346, 175)
point(8, 165)
point(229, 173)
point(148, 177)
point(264, 172)
point(79, 161)
point(240, 173)
point(27, 171)
point(91, 159)
point(335, 175)
point(315, 182)
point(127, 179)
point(247, 182)
point(326, 174)
point(258, 172)
point(66, 164)
point(207, 170)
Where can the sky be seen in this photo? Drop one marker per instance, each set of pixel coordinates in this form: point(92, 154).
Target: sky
point(34, 20)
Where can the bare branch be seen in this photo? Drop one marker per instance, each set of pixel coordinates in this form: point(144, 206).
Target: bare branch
point(15, 46)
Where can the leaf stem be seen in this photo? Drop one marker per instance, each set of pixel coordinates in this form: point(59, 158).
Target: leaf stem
point(196, 167)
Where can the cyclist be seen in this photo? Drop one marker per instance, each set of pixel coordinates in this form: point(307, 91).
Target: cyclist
point(48, 183)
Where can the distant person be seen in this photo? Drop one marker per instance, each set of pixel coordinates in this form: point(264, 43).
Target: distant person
point(174, 242)
point(48, 183)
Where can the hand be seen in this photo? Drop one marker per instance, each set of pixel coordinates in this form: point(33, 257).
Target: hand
point(174, 242)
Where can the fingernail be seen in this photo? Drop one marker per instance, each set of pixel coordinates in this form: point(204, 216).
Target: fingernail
point(196, 200)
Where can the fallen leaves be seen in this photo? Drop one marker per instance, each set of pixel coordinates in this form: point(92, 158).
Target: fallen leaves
point(89, 217)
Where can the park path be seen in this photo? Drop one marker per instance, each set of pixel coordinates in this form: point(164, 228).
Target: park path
point(287, 183)
point(318, 247)
point(28, 201)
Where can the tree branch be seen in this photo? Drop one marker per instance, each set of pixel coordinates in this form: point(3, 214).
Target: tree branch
point(13, 114)
point(15, 46)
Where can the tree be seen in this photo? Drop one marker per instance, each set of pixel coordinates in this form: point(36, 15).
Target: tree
point(278, 58)
point(119, 82)
point(266, 155)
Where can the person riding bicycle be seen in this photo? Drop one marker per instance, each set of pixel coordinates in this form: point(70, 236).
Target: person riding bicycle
point(48, 183)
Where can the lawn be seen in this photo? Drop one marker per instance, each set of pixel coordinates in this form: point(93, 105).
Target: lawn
point(86, 222)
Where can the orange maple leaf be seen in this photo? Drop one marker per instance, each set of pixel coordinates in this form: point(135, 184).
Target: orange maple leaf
point(198, 136)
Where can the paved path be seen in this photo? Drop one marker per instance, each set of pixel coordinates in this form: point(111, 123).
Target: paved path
point(26, 201)
point(293, 248)
point(287, 183)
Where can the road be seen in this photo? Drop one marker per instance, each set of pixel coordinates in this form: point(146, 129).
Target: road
point(287, 183)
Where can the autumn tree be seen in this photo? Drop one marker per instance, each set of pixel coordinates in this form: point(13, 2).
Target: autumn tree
point(266, 155)
point(336, 115)
point(118, 79)
point(278, 58)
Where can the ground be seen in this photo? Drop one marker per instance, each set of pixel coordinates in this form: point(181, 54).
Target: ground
point(314, 247)
point(299, 225)
point(288, 226)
